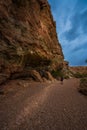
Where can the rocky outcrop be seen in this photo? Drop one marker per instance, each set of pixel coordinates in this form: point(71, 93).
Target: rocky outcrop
point(78, 71)
point(28, 38)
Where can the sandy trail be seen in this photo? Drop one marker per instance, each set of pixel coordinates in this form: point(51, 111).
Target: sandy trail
point(43, 106)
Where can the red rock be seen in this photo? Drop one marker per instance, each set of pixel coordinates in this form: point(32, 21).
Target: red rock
point(28, 36)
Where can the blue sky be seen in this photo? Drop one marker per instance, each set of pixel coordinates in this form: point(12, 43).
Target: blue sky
point(71, 26)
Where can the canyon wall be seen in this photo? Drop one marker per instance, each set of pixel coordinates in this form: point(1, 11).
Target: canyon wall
point(28, 39)
point(78, 69)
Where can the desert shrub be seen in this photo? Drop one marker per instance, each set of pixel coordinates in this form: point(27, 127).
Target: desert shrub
point(66, 77)
point(80, 75)
point(57, 74)
point(83, 86)
point(83, 80)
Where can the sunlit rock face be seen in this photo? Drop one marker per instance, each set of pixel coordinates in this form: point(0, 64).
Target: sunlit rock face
point(28, 38)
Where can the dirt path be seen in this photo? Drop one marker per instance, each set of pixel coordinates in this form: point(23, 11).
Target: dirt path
point(43, 106)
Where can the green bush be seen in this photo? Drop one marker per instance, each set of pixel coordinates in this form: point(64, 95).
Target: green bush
point(57, 74)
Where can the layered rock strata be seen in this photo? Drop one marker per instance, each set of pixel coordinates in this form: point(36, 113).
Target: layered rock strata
point(28, 39)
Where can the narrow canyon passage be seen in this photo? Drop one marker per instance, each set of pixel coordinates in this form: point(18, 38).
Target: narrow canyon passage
point(44, 106)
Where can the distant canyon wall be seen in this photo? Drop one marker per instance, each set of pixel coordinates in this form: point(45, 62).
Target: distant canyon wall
point(79, 69)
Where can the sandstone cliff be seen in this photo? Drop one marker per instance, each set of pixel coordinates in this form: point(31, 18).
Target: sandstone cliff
point(79, 71)
point(28, 39)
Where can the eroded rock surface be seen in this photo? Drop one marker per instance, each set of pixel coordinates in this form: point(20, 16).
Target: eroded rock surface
point(28, 39)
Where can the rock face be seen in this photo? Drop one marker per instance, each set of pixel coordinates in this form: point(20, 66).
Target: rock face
point(28, 38)
point(79, 69)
